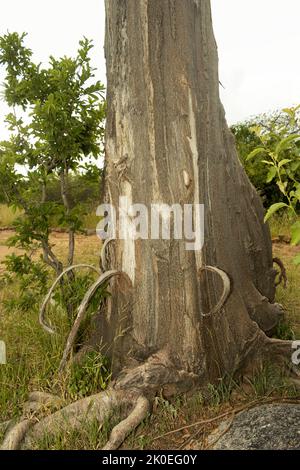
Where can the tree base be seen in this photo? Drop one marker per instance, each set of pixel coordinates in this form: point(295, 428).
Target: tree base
point(131, 394)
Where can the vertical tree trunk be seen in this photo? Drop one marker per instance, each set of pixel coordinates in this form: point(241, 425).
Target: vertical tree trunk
point(167, 141)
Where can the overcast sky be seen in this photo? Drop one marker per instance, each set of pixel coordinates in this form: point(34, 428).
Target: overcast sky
point(258, 44)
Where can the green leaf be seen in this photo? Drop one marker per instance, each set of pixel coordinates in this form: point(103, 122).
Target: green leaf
point(284, 144)
point(273, 209)
point(295, 230)
point(284, 162)
point(282, 186)
point(296, 193)
point(295, 166)
point(271, 174)
point(255, 152)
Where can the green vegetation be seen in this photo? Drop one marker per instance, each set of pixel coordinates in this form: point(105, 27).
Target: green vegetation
point(275, 157)
point(264, 145)
point(34, 356)
point(56, 127)
point(48, 172)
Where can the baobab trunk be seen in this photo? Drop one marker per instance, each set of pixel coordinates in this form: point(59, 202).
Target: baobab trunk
point(178, 319)
point(167, 142)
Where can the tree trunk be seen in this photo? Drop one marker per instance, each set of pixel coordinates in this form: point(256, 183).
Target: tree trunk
point(167, 141)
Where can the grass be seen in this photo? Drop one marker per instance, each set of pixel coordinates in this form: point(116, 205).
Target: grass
point(289, 297)
point(280, 226)
point(33, 358)
point(8, 215)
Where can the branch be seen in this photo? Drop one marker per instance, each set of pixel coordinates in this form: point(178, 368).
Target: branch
point(81, 313)
point(66, 202)
point(49, 295)
point(50, 258)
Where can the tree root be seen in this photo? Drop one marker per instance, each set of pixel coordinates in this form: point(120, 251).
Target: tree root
point(37, 402)
point(130, 395)
point(14, 437)
point(81, 313)
point(97, 407)
point(43, 308)
point(282, 274)
point(129, 424)
point(272, 351)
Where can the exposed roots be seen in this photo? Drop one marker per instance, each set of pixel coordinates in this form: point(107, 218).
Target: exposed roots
point(15, 436)
point(48, 297)
point(272, 351)
point(37, 402)
point(129, 396)
point(282, 279)
point(81, 313)
point(97, 407)
point(129, 424)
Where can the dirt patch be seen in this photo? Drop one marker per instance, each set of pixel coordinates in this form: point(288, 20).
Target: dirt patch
point(285, 250)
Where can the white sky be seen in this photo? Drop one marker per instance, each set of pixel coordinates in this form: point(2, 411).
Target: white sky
point(258, 45)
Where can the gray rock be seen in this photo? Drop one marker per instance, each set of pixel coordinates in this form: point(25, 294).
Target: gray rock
point(266, 427)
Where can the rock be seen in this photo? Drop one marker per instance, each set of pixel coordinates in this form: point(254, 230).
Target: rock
point(266, 427)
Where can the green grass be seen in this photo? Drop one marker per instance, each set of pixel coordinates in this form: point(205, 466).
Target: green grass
point(33, 358)
point(280, 225)
point(289, 297)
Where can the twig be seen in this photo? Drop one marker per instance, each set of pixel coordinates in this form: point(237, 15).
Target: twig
point(227, 413)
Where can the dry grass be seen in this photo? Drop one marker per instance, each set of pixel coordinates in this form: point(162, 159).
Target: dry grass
point(8, 215)
point(290, 297)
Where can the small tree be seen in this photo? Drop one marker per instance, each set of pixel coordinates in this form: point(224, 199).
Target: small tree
point(279, 152)
point(56, 126)
point(272, 127)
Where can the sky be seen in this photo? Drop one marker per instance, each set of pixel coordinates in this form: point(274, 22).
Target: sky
point(258, 44)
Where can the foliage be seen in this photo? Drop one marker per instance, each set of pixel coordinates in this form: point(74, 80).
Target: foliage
point(279, 152)
point(90, 376)
point(56, 133)
point(272, 127)
point(31, 277)
point(84, 188)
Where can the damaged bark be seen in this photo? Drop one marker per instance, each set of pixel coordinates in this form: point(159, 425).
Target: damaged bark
point(179, 319)
point(167, 141)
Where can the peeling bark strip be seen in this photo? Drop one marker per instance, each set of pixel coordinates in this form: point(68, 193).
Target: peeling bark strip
point(167, 141)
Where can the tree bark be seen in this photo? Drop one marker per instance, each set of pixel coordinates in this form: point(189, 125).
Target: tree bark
point(167, 141)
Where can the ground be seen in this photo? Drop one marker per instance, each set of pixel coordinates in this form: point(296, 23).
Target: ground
point(33, 358)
